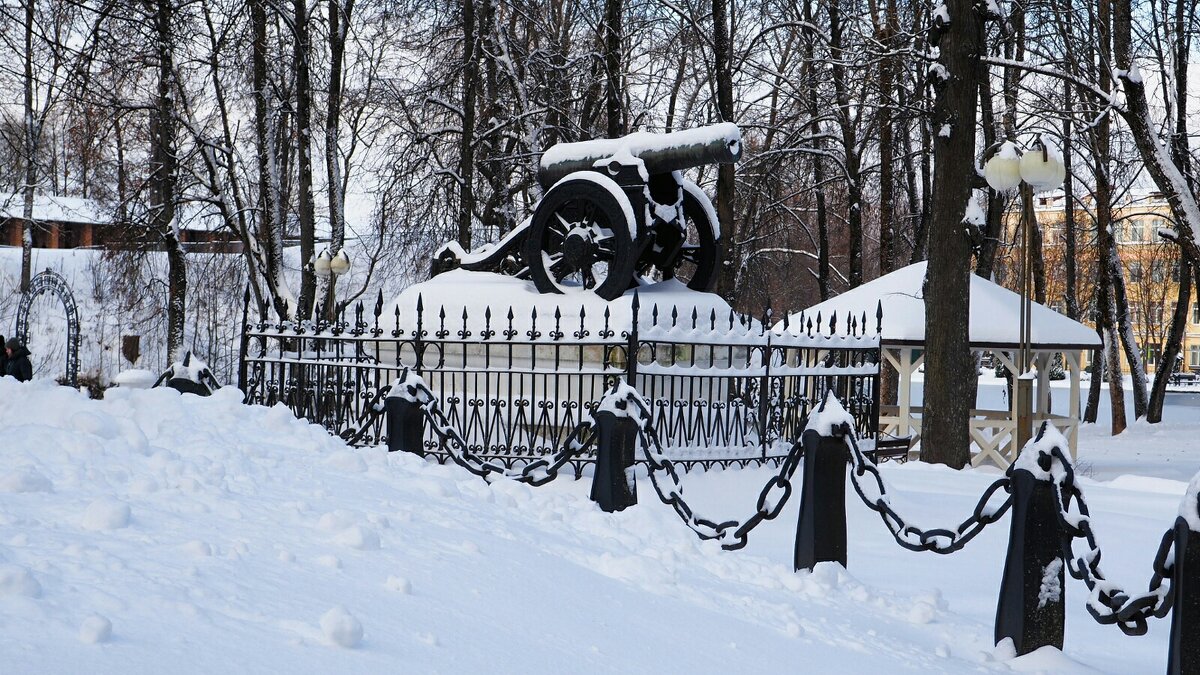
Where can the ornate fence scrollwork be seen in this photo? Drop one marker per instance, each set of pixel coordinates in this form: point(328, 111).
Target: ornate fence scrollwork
point(411, 387)
point(723, 389)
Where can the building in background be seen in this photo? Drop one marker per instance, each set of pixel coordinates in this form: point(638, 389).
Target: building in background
point(72, 222)
point(1149, 265)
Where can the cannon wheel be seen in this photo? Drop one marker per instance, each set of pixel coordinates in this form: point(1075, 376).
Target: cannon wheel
point(579, 238)
point(695, 261)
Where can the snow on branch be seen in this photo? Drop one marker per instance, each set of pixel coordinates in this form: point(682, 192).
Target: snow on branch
point(1109, 98)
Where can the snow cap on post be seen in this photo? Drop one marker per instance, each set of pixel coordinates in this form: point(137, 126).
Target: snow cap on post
point(1189, 508)
point(828, 419)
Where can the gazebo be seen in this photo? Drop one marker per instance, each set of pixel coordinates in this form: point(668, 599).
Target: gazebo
point(993, 326)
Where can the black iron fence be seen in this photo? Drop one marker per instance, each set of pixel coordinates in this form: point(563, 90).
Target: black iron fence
point(724, 389)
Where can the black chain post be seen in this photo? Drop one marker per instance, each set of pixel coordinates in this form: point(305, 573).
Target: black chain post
point(405, 425)
point(612, 485)
point(1184, 655)
point(1032, 608)
point(821, 529)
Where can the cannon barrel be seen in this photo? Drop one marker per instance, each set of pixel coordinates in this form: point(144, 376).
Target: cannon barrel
point(661, 153)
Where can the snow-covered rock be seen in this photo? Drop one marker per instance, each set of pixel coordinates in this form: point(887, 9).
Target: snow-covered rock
point(95, 629)
point(341, 628)
point(106, 514)
point(17, 581)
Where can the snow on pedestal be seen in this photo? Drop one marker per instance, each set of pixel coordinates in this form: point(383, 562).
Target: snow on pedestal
point(1189, 508)
point(477, 292)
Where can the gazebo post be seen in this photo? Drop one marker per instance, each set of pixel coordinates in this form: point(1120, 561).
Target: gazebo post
point(1043, 384)
point(1074, 361)
point(904, 396)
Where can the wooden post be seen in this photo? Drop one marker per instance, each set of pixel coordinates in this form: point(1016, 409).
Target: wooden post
point(821, 528)
point(1023, 393)
point(904, 398)
point(1031, 610)
point(405, 425)
point(1074, 359)
point(613, 487)
point(1184, 654)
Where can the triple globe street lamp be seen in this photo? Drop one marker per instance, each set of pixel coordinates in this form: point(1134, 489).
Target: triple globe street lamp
point(1039, 168)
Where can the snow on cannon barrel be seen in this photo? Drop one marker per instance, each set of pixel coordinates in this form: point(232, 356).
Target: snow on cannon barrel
point(658, 153)
point(615, 211)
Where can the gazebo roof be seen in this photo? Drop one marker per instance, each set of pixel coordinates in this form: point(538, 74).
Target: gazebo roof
point(994, 321)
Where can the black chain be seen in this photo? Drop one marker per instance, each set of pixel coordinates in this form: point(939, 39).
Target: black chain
point(352, 435)
point(1109, 603)
point(911, 537)
point(538, 472)
point(731, 534)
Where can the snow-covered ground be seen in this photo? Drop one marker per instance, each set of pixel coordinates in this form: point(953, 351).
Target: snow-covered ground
point(153, 532)
point(1167, 450)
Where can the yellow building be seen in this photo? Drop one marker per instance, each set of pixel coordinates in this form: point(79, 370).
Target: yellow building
point(1149, 265)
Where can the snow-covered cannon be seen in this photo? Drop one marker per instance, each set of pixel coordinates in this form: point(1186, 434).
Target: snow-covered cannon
point(614, 210)
point(190, 376)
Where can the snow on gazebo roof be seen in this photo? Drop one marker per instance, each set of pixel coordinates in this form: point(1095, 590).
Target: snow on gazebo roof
point(994, 321)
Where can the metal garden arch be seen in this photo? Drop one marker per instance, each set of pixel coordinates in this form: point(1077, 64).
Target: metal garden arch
point(52, 282)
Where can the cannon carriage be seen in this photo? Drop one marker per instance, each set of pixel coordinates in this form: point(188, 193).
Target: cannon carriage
point(614, 211)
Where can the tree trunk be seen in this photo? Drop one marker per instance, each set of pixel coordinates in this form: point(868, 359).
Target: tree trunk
point(339, 24)
point(31, 138)
point(1168, 177)
point(887, 147)
point(466, 147)
point(726, 186)
point(613, 91)
point(269, 228)
point(306, 202)
point(164, 166)
point(850, 154)
point(1171, 351)
point(993, 232)
point(949, 365)
point(1071, 281)
point(818, 163)
point(1181, 156)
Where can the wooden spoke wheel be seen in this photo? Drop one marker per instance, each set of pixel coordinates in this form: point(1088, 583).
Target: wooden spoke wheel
point(579, 238)
point(690, 254)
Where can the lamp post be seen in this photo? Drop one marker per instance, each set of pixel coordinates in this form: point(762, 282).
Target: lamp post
point(1038, 169)
point(329, 267)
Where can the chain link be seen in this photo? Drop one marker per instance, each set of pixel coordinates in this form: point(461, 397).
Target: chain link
point(535, 473)
point(1109, 603)
point(352, 435)
point(731, 534)
point(911, 537)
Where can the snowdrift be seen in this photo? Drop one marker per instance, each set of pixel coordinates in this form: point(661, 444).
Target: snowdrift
point(159, 532)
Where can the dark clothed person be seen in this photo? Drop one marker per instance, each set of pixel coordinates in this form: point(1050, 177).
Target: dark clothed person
point(17, 363)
